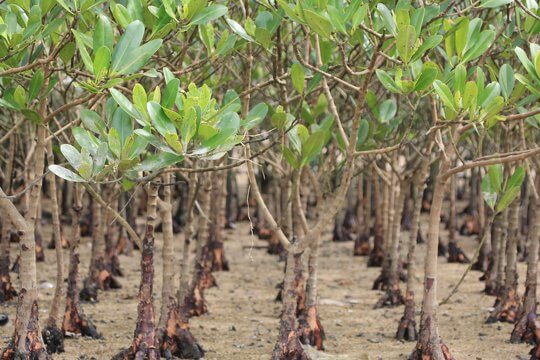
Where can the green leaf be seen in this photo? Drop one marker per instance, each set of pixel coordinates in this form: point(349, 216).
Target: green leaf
point(125, 104)
point(387, 110)
point(494, 3)
point(127, 47)
point(85, 140)
point(318, 23)
point(35, 85)
point(102, 60)
point(82, 50)
point(428, 44)
point(114, 142)
point(480, 46)
point(336, 18)
point(445, 94)
point(387, 18)
point(158, 162)
point(513, 188)
point(298, 77)
point(72, 155)
point(65, 174)
point(506, 80)
point(363, 132)
point(405, 42)
point(210, 13)
point(92, 121)
point(170, 93)
point(255, 116)
point(239, 30)
point(470, 95)
point(461, 35)
point(103, 34)
point(137, 58)
point(387, 81)
point(161, 122)
point(313, 146)
point(527, 64)
point(429, 73)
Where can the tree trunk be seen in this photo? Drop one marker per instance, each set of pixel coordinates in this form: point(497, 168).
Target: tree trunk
point(455, 253)
point(361, 243)
point(390, 279)
point(202, 277)
point(376, 255)
point(75, 321)
point(407, 324)
point(175, 338)
point(145, 345)
point(7, 290)
point(27, 341)
point(524, 329)
point(507, 303)
point(429, 345)
point(52, 334)
point(288, 346)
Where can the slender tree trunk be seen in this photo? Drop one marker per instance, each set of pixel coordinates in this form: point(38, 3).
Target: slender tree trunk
point(174, 336)
point(27, 341)
point(7, 290)
point(202, 278)
point(407, 324)
point(507, 303)
point(455, 253)
point(145, 344)
point(288, 345)
point(429, 345)
point(52, 334)
point(393, 296)
point(524, 329)
point(361, 243)
point(75, 321)
point(376, 256)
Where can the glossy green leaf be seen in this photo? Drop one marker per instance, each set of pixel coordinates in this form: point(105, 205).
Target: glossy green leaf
point(298, 77)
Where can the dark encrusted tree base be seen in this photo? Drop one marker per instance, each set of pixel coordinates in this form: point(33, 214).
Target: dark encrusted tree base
point(34, 349)
point(76, 323)
point(310, 330)
point(507, 308)
point(289, 347)
point(7, 291)
point(361, 245)
point(53, 339)
point(407, 325)
point(392, 297)
point(105, 281)
point(524, 329)
point(431, 352)
point(456, 254)
point(376, 258)
point(176, 340)
point(442, 249)
point(195, 302)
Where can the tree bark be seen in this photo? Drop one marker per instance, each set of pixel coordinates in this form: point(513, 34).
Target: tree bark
point(75, 321)
point(524, 328)
point(145, 344)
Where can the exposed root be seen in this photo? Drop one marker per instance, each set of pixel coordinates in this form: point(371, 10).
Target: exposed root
point(361, 245)
point(456, 254)
point(376, 256)
point(506, 309)
point(195, 302)
point(392, 297)
point(76, 323)
point(535, 351)
point(32, 347)
point(289, 347)
point(310, 329)
point(53, 339)
point(471, 226)
point(442, 249)
point(430, 351)
point(7, 290)
point(176, 340)
point(407, 324)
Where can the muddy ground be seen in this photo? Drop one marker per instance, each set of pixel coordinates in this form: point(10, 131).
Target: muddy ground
point(243, 319)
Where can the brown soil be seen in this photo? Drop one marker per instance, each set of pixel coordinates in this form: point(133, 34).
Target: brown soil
point(243, 316)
